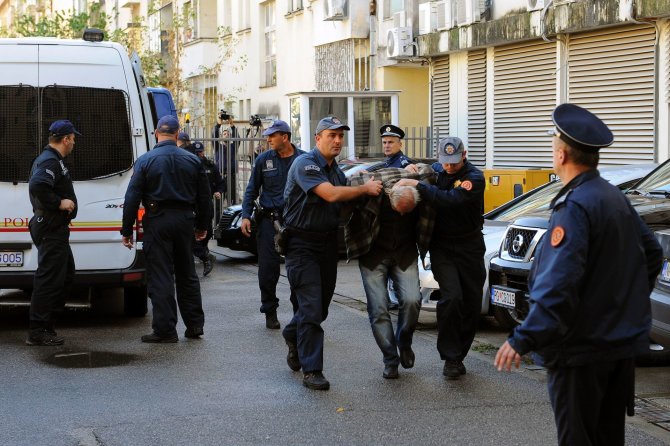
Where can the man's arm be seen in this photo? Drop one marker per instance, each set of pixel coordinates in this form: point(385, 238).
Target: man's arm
point(331, 193)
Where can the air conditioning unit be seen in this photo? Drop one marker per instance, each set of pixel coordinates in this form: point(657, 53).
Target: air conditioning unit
point(469, 11)
point(399, 42)
point(534, 5)
point(427, 18)
point(446, 14)
point(334, 10)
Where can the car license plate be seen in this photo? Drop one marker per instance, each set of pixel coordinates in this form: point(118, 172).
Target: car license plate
point(11, 258)
point(665, 272)
point(503, 297)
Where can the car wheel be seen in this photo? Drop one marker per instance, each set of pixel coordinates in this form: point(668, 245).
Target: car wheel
point(135, 301)
point(508, 318)
point(656, 356)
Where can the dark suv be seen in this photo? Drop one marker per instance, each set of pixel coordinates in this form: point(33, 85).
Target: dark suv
point(509, 270)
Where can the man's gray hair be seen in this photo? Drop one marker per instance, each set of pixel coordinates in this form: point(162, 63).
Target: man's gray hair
point(399, 192)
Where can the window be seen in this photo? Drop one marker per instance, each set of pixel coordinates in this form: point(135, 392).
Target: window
point(294, 122)
point(319, 107)
point(294, 5)
point(270, 46)
point(155, 32)
point(370, 114)
point(393, 6)
point(191, 18)
point(243, 8)
point(227, 22)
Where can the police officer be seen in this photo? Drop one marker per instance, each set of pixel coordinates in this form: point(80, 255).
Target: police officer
point(184, 141)
point(314, 188)
point(589, 289)
point(172, 185)
point(268, 179)
point(392, 144)
point(456, 250)
point(217, 186)
point(54, 205)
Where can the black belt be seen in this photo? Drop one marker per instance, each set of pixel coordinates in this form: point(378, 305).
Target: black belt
point(311, 236)
point(269, 212)
point(45, 213)
point(168, 204)
point(465, 236)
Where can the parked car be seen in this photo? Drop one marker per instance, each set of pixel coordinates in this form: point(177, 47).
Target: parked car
point(229, 235)
point(496, 223)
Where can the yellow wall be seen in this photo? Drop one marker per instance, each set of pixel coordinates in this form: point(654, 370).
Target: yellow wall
point(413, 99)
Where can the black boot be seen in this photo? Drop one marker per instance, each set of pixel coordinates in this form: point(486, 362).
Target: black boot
point(271, 320)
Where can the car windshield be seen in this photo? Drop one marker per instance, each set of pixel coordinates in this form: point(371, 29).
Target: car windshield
point(538, 200)
point(658, 182)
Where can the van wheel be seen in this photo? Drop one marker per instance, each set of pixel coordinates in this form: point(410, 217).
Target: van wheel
point(506, 318)
point(135, 301)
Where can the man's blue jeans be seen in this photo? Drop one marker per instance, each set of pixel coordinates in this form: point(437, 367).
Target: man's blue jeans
point(406, 284)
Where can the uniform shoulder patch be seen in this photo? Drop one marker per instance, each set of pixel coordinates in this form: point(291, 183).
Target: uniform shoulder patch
point(467, 185)
point(50, 173)
point(312, 168)
point(557, 236)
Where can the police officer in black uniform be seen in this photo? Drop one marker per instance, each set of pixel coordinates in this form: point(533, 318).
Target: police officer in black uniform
point(54, 205)
point(172, 185)
point(392, 144)
point(314, 188)
point(456, 250)
point(217, 186)
point(184, 141)
point(268, 179)
point(589, 288)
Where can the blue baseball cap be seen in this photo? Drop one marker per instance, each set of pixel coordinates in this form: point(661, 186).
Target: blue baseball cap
point(198, 146)
point(330, 123)
point(450, 150)
point(62, 127)
point(277, 126)
point(581, 129)
point(183, 136)
point(167, 124)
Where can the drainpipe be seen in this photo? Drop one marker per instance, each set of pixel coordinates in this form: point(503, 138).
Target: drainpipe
point(373, 43)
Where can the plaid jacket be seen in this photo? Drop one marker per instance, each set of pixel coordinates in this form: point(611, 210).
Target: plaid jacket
point(362, 226)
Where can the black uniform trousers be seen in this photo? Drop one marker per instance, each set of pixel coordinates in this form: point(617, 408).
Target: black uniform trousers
point(458, 267)
point(311, 266)
point(168, 244)
point(590, 401)
point(55, 270)
point(200, 247)
point(268, 264)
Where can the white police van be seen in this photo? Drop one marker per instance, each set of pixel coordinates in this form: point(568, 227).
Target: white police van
point(101, 90)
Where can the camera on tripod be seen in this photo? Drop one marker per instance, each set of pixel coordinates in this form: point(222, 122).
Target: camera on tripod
point(255, 121)
point(224, 115)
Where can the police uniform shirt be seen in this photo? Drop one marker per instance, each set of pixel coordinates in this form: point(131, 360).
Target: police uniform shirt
point(398, 160)
point(304, 209)
point(268, 178)
point(50, 183)
point(458, 199)
point(167, 174)
point(591, 279)
point(216, 183)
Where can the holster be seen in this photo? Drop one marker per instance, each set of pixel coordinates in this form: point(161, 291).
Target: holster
point(280, 238)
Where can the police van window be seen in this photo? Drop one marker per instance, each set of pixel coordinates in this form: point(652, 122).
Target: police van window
point(102, 116)
point(18, 130)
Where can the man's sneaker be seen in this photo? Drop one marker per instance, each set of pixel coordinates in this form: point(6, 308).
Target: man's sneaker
point(292, 358)
point(315, 381)
point(271, 320)
point(194, 332)
point(390, 372)
point(153, 338)
point(45, 337)
point(208, 264)
point(451, 369)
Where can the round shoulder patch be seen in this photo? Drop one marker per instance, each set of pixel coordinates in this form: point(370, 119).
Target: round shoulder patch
point(557, 236)
point(467, 185)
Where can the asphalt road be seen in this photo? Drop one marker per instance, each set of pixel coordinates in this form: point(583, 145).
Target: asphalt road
point(233, 387)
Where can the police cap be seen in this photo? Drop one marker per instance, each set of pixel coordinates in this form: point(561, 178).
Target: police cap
point(62, 127)
point(330, 123)
point(198, 146)
point(450, 150)
point(391, 130)
point(183, 136)
point(277, 126)
point(167, 124)
point(581, 129)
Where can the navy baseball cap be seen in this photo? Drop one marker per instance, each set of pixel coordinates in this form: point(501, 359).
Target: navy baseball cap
point(391, 130)
point(183, 136)
point(277, 126)
point(330, 123)
point(62, 127)
point(198, 146)
point(581, 129)
point(167, 124)
point(450, 150)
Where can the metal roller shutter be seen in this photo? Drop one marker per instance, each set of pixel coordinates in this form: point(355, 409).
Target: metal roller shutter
point(611, 73)
point(524, 97)
point(440, 110)
point(477, 108)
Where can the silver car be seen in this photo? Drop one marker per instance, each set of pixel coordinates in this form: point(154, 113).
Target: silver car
point(495, 224)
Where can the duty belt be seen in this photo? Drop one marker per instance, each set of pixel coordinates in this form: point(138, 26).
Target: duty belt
point(45, 213)
point(269, 213)
point(155, 206)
